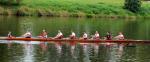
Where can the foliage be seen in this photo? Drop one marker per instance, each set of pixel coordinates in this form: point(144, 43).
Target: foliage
point(10, 2)
point(133, 5)
point(74, 8)
point(146, 0)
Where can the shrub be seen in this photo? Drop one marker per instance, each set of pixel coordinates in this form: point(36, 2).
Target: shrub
point(63, 13)
point(50, 13)
point(24, 11)
point(7, 12)
point(133, 5)
point(10, 2)
point(1, 10)
point(41, 12)
point(78, 14)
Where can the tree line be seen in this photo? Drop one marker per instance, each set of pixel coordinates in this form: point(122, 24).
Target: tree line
point(10, 2)
point(131, 5)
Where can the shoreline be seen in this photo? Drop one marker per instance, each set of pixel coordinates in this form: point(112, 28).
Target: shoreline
point(45, 13)
point(83, 16)
point(97, 12)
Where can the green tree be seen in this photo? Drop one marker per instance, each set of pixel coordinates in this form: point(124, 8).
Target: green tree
point(132, 5)
point(9, 2)
point(18, 1)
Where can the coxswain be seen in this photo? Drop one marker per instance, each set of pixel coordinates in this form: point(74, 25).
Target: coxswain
point(85, 36)
point(73, 35)
point(108, 36)
point(120, 36)
point(96, 36)
point(43, 34)
point(9, 35)
point(27, 34)
point(59, 35)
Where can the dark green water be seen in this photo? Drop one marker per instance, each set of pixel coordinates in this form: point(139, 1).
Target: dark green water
point(132, 29)
point(21, 51)
point(16, 51)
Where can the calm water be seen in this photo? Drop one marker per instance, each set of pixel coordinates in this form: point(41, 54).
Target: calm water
point(21, 51)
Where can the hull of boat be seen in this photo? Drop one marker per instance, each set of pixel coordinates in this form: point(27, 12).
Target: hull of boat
point(76, 40)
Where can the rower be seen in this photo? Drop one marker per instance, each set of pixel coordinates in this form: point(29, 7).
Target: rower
point(96, 36)
point(59, 35)
point(43, 34)
point(85, 36)
point(27, 34)
point(73, 35)
point(108, 36)
point(9, 35)
point(120, 36)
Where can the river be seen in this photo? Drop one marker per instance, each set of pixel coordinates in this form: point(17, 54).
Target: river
point(32, 51)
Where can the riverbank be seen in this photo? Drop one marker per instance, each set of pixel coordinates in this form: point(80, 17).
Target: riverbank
point(74, 8)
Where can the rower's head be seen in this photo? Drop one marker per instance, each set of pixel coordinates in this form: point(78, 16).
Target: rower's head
point(9, 32)
point(43, 30)
point(59, 31)
point(96, 32)
point(120, 33)
point(72, 32)
point(108, 33)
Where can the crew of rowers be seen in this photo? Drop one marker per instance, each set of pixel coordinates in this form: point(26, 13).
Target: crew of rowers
point(108, 36)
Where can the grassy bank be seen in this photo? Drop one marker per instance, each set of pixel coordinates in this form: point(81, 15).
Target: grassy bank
point(74, 8)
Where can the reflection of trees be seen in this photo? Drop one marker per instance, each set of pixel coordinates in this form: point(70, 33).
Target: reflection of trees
point(142, 54)
point(52, 53)
point(131, 28)
point(66, 54)
point(138, 29)
point(8, 24)
point(103, 53)
point(12, 54)
point(39, 54)
point(4, 53)
point(144, 29)
point(79, 53)
point(129, 54)
point(25, 25)
point(93, 54)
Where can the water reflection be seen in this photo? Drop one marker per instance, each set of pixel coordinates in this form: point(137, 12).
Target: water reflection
point(28, 53)
point(129, 54)
point(52, 53)
point(43, 46)
point(66, 52)
point(79, 53)
point(133, 29)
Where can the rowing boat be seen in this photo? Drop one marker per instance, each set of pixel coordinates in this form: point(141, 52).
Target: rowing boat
point(75, 40)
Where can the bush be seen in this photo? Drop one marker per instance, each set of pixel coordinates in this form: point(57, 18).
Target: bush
point(133, 5)
point(41, 12)
point(24, 11)
point(145, 0)
point(10, 2)
point(7, 12)
point(78, 14)
point(1, 10)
